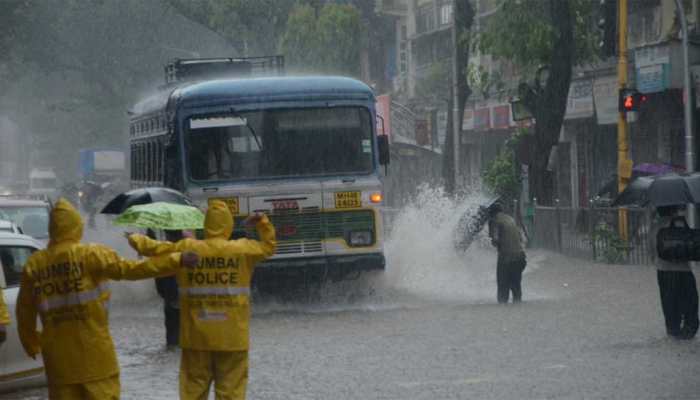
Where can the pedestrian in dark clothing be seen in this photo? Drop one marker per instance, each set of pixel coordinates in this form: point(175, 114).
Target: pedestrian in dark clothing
point(677, 288)
point(167, 289)
point(505, 236)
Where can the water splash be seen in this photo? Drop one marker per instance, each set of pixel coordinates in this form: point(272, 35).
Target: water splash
point(421, 253)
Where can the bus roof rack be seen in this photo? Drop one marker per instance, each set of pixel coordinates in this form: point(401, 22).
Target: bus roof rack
point(189, 69)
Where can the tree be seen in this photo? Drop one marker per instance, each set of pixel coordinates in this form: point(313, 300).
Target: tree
point(542, 37)
point(464, 19)
point(324, 42)
point(252, 27)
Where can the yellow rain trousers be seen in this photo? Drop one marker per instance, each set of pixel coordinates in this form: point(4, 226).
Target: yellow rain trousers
point(215, 302)
point(66, 285)
point(4, 313)
point(103, 389)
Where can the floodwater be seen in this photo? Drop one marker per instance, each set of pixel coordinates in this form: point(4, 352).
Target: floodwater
point(429, 328)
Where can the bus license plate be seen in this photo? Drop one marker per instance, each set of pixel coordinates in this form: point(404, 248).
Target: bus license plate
point(348, 200)
point(231, 202)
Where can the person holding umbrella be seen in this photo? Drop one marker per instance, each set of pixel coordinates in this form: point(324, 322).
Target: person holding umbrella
point(505, 236)
point(677, 289)
point(66, 285)
point(215, 302)
point(172, 219)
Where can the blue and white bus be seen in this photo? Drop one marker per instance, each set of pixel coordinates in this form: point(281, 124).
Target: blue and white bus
point(304, 150)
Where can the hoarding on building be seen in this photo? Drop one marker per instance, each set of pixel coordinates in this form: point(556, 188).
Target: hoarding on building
point(579, 103)
point(605, 98)
point(652, 68)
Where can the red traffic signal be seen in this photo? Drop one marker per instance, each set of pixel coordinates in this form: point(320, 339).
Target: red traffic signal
point(630, 100)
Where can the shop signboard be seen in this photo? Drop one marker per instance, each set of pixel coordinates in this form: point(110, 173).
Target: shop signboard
point(652, 69)
point(501, 116)
point(482, 118)
point(579, 103)
point(695, 73)
point(605, 99)
point(442, 126)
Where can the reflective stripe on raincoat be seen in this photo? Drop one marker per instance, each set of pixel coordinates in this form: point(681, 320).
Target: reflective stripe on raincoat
point(67, 286)
point(4, 313)
point(214, 296)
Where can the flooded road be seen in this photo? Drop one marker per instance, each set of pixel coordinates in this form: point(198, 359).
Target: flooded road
point(430, 328)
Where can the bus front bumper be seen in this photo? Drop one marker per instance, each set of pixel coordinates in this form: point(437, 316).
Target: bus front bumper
point(333, 267)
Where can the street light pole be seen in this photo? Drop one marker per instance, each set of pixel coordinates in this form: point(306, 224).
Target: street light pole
point(687, 88)
point(688, 107)
point(455, 100)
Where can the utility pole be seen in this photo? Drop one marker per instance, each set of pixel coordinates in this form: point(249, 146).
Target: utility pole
point(688, 107)
point(624, 164)
point(455, 100)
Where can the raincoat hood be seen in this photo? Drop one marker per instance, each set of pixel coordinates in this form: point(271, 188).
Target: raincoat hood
point(65, 224)
point(218, 223)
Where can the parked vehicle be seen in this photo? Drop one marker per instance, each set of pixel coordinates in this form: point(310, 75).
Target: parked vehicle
point(9, 226)
point(31, 216)
point(16, 368)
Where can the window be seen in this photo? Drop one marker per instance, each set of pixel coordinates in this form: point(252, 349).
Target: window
point(425, 19)
point(281, 143)
point(13, 259)
point(446, 14)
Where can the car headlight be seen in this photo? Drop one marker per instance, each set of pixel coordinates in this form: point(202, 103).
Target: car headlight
point(360, 238)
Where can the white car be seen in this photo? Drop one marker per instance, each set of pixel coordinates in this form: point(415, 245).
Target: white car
point(16, 368)
point(9, 226)
point(30, 215)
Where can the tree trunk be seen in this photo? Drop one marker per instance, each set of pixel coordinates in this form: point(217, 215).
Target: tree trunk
point(550, 102)
point(464, 18)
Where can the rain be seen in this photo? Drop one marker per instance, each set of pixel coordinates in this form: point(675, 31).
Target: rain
point(471, 199)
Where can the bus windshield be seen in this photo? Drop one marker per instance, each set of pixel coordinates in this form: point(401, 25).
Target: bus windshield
point(280, 143)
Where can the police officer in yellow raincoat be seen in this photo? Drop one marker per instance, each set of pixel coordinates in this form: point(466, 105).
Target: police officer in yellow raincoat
point(4, 318)
point(215, 302)
point(66, 285)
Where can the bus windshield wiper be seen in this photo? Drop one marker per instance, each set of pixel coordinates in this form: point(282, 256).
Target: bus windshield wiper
point(250, 128)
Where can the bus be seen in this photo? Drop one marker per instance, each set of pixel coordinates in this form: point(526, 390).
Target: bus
point(303, 150)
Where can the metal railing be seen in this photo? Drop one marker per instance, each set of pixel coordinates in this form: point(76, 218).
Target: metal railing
point(592, 233)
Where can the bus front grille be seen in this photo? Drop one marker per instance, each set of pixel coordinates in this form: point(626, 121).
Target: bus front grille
point(303, 232)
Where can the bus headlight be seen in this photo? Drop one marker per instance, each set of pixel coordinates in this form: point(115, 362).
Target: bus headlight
point(360, 238)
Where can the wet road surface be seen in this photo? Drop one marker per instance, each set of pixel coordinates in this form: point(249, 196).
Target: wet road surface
point(584, 331)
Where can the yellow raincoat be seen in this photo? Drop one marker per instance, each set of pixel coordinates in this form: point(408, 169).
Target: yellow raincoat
point(66, 285)
point(4, 314)
point(215, 301)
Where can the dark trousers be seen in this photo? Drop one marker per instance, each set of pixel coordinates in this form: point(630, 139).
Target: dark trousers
point(172, 325)
point(508, 277)
point(679, 302)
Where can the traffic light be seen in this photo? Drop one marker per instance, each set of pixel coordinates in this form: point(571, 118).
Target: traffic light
point(607, 28)
point(630, 100)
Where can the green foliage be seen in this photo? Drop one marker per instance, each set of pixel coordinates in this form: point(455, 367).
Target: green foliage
point(434, 87)
point(501, 175)
point(522, 31)
point(253, 27)
point(608, 245)
point(327, 42)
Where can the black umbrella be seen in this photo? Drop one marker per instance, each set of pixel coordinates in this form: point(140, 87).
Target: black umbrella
point(661, 190)
point(471, 223)
point(147, 195)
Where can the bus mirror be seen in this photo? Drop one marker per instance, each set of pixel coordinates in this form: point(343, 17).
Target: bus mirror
point(383, 144)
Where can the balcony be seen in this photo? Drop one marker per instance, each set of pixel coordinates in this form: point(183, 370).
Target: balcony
point(392, 7)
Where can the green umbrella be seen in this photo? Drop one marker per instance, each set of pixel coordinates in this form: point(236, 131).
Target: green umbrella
point(161, 215)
